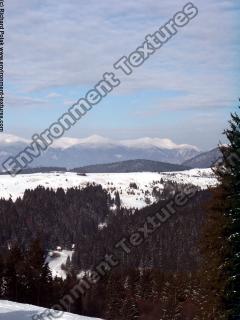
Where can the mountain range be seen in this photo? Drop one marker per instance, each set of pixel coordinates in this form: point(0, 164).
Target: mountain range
point(72, 152)
point(113, 154)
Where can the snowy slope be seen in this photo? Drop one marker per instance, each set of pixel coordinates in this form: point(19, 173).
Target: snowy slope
point(131, 198)
point(17, 311)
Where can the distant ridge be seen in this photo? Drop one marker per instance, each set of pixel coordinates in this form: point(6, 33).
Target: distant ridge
point(73, 153)
point(204, 160)
point(138, 165)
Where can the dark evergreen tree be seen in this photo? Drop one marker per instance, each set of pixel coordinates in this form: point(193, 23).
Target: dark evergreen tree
point(38, 276)
point(13, 275)
point(114, 296)
point(230, 178)
point(117, 199)
point(221, 242)
point(1, 277)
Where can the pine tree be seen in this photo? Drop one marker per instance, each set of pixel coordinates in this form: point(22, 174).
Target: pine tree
point(221, 243)
point(38, 276)
point(117, 199)
point(115, 296)
point(13, 274)
point(1, 276)
point(129, 310)
point(231, 181)
point(168, 300)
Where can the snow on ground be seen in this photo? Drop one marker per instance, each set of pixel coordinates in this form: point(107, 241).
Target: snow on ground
point(131, 198)
point(55, 260)
point(17, 311)
point(202, 178)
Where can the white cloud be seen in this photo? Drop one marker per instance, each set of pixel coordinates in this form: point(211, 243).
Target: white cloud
point(96, 140)
point(62, 43)
point(14, 100)
point(53, 95)
point(7, 139)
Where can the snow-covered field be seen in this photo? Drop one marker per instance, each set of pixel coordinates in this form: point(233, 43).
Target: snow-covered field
point(130, 197)
point(16, 311)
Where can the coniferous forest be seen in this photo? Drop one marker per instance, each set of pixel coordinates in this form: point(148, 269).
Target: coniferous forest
point(188, 269)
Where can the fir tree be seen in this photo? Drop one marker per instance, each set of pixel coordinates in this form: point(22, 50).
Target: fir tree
point(38, 276)
point(117, 200)
point(115, 296)
point(1, 276)
point(230, 177)
point(13, 275)
point(221, 243)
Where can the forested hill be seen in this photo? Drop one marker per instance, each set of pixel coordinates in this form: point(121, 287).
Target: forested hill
point(163, 266)
point(61, 218)
point(138, 165)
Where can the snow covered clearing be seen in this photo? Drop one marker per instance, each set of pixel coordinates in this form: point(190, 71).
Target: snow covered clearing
point(55, 260)
point(112, 182)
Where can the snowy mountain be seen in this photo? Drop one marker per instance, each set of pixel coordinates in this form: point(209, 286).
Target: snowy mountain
point(72, 152)
point(17, 311)
point(122, 182)
point(204, 160)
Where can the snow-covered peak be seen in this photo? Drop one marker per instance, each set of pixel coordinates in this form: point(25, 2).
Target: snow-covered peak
point(142, 143)
point(93, 140)
point(162, 143)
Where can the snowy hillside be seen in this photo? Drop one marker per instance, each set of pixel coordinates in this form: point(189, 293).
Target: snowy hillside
point(131, 197)
point(17, 311)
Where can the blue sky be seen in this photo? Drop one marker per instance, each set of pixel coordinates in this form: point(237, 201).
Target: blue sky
point(57, 50)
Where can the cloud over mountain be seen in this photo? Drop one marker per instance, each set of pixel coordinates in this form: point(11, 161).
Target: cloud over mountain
point(75, 152)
